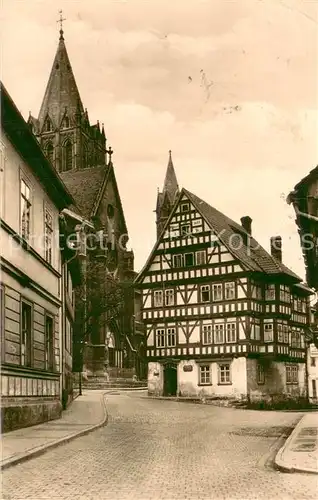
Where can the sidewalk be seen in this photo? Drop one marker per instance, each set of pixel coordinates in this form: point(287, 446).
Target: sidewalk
point(300, 451)
point(85, 414)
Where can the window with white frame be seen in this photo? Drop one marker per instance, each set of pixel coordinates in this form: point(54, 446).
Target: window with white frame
point(26, 334)
point(177, 260)
point(217, 292)
point(224, 373)
point(270, 292)
point(25, 218)
point(286, 334)
point(295, 338)
point(185, 230)
point(184, 207)
point(49, 343)
point(229, 290)
point(280, 333)
point(292, 374)
point(284, 293)
point(48, 234)
point(166, 337)
point(205, 293)
point(171, 337)
point(219, 333)
point(169, 297)
point(207, 337)
point(260, 373)
point(268, 332)
point(205, 374)
point(160, 338)
point(230, 332)
point(200, 257)
point(157, 296)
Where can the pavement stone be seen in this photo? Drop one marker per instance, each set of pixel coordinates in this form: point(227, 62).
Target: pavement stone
point(300, 451)
point(161, 450)
point(85, 414)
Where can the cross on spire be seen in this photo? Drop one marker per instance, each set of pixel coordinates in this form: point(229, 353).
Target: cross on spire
point(61, 24)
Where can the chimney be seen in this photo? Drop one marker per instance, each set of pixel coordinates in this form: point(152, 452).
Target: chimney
point(276, 247)
point(246, 223)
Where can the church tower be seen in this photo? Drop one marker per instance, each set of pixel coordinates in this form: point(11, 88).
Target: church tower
point(167, 198)
point(62, 127)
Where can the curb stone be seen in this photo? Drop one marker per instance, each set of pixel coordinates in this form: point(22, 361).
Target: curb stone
point(40, 450)
point(281, 465)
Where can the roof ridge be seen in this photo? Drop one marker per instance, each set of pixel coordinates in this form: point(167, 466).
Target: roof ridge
point(257, 254)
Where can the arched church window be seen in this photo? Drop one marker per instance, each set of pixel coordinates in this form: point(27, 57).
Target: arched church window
point(85, 156)
point(68, 156)
point(66, 122)
point(50, 152)
point(48, 125)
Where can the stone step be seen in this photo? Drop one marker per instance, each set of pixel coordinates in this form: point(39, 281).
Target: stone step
point(104, 384)
point(113, 386)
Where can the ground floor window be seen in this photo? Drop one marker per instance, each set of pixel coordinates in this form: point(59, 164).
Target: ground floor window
point(260, 374)
point(292, 374)
point(26, 334)
point(224, 373)
point(49, 343)
point(205, 374)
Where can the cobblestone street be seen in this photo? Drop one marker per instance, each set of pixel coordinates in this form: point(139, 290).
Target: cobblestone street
point(155, 449)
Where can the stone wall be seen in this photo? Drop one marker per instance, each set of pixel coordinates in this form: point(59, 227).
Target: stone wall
point(19, 413)
point(155, 378)
point(275, 386)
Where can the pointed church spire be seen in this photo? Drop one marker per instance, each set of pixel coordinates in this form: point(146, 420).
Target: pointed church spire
point(171, 186)
point(167, 198)
point(61, 90)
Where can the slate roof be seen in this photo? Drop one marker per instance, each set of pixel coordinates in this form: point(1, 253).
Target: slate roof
point(171, 186)
point(254, 256)
point(313, 174)
point(61, 90)
point(85, 185)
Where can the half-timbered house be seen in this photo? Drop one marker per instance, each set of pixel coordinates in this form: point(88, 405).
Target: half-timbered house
point(224, 318)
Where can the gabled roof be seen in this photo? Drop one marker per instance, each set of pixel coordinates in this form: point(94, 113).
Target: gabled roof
point(85, 186)
point(247, 250)
point(25, 143)
point(61, 91)
point(255, 257)
point(313, 175)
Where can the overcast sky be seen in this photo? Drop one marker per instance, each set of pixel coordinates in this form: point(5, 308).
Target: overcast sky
point(229, 86)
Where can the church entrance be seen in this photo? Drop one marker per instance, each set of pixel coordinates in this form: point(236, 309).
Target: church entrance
point(170, 380)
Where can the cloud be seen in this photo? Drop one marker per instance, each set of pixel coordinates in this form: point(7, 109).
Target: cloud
point(241, 144)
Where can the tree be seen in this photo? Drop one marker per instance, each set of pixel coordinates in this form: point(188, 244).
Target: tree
point(100, 305)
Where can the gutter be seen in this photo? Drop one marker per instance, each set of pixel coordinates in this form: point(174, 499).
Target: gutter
point(308, 216)
point(77, 217)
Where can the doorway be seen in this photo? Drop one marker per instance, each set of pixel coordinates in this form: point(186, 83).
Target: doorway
point(170, 380)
